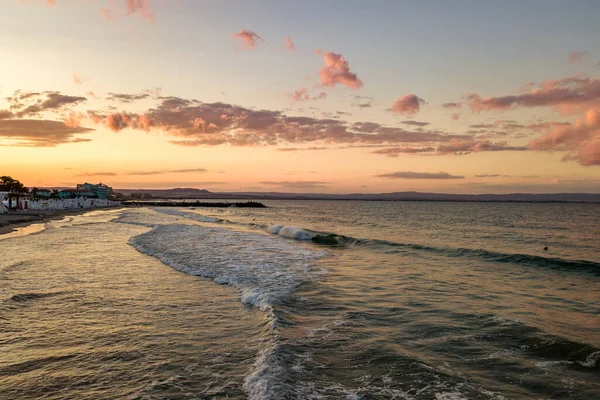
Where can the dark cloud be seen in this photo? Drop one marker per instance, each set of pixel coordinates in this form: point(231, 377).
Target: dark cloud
point(28, 104)
point(452, 105)
point(362, 105)
point(127, 98)
point(415, 123)
point(458, 146)
point(298, 184)
point(395, 151)
point(419, 175)
point(492, 176)
point(301, 149)
point(40, 133)
point(567, 94)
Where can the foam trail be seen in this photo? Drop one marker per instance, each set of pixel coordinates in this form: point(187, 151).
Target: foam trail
point(265, 270)
point(186, 214)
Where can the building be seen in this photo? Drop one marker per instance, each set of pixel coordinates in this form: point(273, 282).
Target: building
point(45, 193)
point(73, 193)
point(100, 190)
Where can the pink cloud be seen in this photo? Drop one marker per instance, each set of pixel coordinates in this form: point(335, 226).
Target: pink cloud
point(143, 8)
point(73, 120)
point(92, 94)
point(577, 56)
point(248, 38)
point(106, 13)
point(289, 44)
point(299, 95)
point(337, 71)
point(408, 105)
point(581, 139)
point(455, 117)
point(77, 79)
point(568, 95)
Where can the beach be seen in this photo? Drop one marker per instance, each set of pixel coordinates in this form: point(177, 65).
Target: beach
point(20, 219)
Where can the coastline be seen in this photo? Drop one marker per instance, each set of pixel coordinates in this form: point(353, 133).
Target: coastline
point(9, 223)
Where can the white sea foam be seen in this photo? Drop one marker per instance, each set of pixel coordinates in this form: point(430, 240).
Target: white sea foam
point(291, 232)
point(186, 214)
point(265, 270)
point(591, 360)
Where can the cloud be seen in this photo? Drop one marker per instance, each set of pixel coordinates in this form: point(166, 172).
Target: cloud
point(320, 96)
point(337, 71)
point(92, 94)
point(248, 38)
point(126, 97)
point(167, 171)
point(577, 56)
point(297, 184)
point(73, 120)
point(452, 105)
point(492, 176)
point(396, 151)
point(408, 105)
point(301, 148)
point(455, 117)
point(77, 79)
point(26, 104)
point(415, 123)
point(40, 133)
point(289, 45)
point(568, 95)
point(362, 105)
point(5, 114)
point(141, 8)
point(194, 123)
point(581, 139)
point(299, 95)
point(462, 146)
point(106, 13)
point(419, 175)
point(90, 174)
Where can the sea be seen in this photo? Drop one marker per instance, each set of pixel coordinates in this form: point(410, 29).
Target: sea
point(305, 300)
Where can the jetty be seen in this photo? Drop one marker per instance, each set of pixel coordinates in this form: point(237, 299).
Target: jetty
point(202, 204)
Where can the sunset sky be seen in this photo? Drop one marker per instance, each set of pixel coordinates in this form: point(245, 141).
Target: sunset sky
point(331, 96)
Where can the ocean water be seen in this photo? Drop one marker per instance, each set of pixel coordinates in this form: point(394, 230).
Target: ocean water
point(305, 300)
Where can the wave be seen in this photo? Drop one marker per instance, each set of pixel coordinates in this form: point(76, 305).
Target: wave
point(334, 239)
point(329, 239)
point(264, 269)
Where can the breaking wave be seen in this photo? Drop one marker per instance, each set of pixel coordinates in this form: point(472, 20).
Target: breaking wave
point(264, 269)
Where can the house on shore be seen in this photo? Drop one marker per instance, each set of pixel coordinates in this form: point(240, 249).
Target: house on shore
point(74, 193)
point(43, 193)
point(100, 190)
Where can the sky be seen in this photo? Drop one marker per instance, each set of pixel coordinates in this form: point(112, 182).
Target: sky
point(302, 96)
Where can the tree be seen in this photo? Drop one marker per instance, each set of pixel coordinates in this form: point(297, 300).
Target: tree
point(34, 191)
point(54, 194)
point(8, 184)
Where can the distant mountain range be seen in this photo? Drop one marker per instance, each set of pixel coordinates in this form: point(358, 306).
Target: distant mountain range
point(190, 193)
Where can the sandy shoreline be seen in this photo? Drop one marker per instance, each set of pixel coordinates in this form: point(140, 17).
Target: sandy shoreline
point(9, 222)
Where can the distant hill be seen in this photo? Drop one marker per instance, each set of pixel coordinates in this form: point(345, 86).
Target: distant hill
point(190, 193)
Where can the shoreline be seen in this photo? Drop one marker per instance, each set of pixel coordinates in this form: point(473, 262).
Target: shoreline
point(9, 223)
